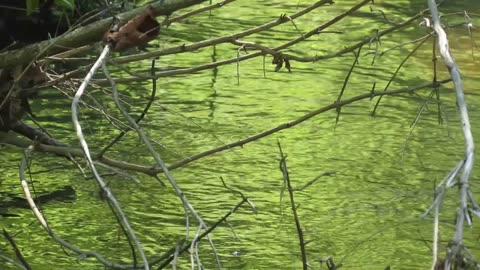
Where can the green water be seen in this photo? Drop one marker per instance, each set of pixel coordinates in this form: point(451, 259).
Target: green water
point(366, 216)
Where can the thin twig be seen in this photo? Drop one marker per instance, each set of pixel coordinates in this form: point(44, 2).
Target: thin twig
point(207, 231)
point(395, 74)
point(224, 39)
point(17, 252)
point(41, 219)
point(232, 38)
point(299, 120)
point(149, 170)
point(12, 261)
point(141, 116)
point(286, 179)
point(435, 236)
point(345, 82)
point(104, 188)
point(158, 160)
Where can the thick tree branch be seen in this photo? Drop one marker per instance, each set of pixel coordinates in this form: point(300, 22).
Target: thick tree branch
point(85, 35)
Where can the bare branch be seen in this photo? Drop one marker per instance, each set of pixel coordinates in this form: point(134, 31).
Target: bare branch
point(462, 107)
point(85, 35)
point(288, 184)
point(104, 188)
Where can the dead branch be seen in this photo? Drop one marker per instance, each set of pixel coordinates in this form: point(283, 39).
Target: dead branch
point(457, 249)
point(85, 35)
point(152, 170)
point(288, 185)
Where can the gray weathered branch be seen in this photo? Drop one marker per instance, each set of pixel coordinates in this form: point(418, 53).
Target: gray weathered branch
point(467, 163)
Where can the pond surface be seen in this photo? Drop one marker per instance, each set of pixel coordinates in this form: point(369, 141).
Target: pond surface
point(365, 216)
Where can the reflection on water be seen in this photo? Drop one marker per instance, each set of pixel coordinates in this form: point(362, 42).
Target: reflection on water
point(367, 216)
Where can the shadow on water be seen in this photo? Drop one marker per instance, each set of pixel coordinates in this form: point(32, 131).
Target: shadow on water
point(10, 201)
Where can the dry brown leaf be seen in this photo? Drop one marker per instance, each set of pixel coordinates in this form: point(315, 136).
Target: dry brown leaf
point(136, 32)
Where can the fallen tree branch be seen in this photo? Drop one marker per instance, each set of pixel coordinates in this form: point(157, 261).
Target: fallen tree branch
point(232, 38)
point(119, 213)
point(86, 35)
point(457, 248)
point(41, 219)
point(8, 138)
point(301, 119)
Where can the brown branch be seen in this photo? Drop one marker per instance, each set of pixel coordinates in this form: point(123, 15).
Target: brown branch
point(274, 51)
point(175, 50)
point(288, 184)
point(224, 39)
point(66, 55)
point(17, 252)
point(299, 120)
point(152, 171)
point(139, 118)
point(85, 35)
point(187, 246)
point(231, 38)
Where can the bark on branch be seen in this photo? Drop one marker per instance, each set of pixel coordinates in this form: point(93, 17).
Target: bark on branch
point(85, 35)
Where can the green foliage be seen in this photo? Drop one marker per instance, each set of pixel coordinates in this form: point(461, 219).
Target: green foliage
point(66, 8)
point(65, 4)
point(31, 5)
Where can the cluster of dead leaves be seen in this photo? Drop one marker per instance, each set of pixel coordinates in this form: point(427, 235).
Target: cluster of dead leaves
point(136, 32)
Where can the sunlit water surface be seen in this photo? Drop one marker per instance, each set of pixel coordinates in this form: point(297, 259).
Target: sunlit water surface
point(366, 216)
